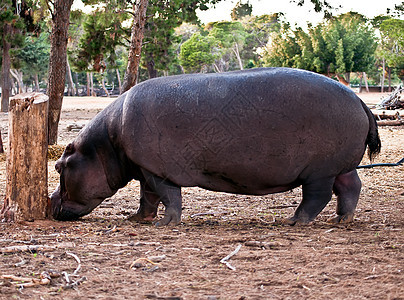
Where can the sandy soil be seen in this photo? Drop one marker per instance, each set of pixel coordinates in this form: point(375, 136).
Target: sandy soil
point(112, 258)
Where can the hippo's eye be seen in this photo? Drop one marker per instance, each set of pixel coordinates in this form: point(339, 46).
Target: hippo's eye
point(69, 149)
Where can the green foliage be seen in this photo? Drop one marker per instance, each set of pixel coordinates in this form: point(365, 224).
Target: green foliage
point(33, 58)
point(235, 44)
point(196, 53)
point(160, 42)
point(391, 46)
point(102, 33)
point(342, 44)
point(241, 10)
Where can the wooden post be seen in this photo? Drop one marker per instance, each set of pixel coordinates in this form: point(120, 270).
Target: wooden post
point(27, 167)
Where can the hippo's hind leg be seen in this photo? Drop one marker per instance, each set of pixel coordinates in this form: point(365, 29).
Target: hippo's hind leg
point(169, 194)
point(347, 188)
point(149, 203)
point(316, 195)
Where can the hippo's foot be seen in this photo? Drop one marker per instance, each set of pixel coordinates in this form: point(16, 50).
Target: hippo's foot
point(171, 217)
point(139, 217)
point(291, 221)
point(344, 219)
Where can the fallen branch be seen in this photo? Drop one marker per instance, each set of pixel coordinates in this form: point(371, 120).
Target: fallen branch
point(390, 122)
point(225, 260)
point(74, 283)
point(24, 282)
point(67, 275)
point(35, 248)
point(393, 100)
point(78, 261)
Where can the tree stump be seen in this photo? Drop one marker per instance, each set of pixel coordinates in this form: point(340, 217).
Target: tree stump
point(27, 168)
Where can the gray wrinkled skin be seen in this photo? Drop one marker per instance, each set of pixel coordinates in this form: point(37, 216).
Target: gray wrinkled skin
point(253, 132)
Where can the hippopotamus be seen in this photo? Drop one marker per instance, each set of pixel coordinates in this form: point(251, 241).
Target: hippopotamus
point(255, 132)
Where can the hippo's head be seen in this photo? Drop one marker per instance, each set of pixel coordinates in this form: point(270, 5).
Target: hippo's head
point(83, 183)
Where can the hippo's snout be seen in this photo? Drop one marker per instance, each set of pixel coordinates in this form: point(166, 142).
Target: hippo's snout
point(58, 212)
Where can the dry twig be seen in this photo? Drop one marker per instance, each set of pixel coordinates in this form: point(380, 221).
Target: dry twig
point(34, 248)
point(225, 260)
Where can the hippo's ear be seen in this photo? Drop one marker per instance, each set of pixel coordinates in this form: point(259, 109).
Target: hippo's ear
point(112, 166)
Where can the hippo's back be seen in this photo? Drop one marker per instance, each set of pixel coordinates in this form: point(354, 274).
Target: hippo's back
point(254, 131)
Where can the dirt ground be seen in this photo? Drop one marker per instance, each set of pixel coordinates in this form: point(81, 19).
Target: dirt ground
point(109, 257)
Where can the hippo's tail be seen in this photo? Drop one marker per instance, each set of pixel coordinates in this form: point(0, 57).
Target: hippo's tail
point(372, 140)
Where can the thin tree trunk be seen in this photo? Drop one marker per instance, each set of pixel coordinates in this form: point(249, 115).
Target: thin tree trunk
point(70, 77)
point(18, 76)
point(57, 64)
point(93, 94)
point(88, 84)
point(237, 53)
point(136, 40)
point(389, 79)
point(366, 82)
point(27, 167)
point(119, 80)
point(104, 87)
point(36, 79)
point(5, 70)
point(383, 70)
point(76, 82)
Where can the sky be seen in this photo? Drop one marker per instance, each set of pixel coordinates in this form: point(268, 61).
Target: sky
point(293, 13)
point(296, 14)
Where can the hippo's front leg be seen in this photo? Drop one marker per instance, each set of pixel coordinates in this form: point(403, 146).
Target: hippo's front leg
point(169, 194)
point(149, 203)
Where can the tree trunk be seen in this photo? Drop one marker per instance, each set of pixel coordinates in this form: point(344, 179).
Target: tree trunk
point(88, 84)
point(237, 53)
point(76, 82)
point(366, 82)
point(136, 40)
point(150, 68)
point(18, 76)
point(389, 79)
point(70, 78)
point(93, 94)
point(5, 70)
point(104, 87)
point(119, 81)
point(36, 79)
point(57, 64)
point(383, 70)
point(27, 164)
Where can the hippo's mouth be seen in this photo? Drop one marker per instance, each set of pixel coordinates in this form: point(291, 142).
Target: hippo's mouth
point(60, 196)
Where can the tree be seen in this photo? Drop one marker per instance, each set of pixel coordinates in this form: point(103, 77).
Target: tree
point(196, 53)
point(13, 19)
point(60, 13)
point(259, 30)
point(33, 57)
point(230, 37)
point(338, 46)
point(241, 10)
point(136, 40)
point(391, 47)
